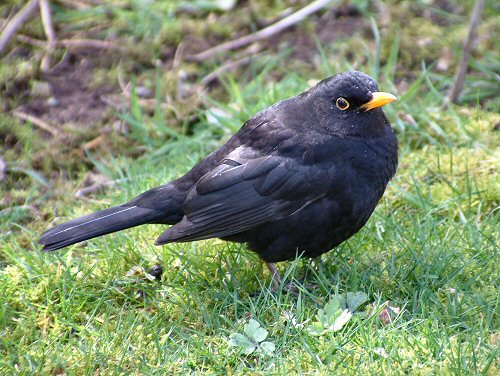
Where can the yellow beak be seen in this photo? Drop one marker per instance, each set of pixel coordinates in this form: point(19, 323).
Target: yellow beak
point(379, 99)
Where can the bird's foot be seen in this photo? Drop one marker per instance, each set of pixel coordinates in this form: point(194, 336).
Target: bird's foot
point(291, 287)
point(275, 274)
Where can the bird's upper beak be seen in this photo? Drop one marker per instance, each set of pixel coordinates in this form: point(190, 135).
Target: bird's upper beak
point(379, 98)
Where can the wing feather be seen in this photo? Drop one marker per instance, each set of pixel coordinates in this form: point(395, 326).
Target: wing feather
point(243, 192)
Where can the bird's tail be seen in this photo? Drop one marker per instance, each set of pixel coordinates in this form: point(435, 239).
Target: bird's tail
point(96, 224)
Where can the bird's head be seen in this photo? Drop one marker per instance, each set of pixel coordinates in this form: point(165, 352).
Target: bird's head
point(349, 103)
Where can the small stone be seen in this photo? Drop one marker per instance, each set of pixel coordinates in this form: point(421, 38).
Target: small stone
point(156, 271)
point(143, 92)
point(53, 102)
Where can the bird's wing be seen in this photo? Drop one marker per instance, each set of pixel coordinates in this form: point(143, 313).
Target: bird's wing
point(245, 191)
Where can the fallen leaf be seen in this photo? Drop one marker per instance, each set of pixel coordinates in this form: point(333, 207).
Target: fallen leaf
point(389, 314)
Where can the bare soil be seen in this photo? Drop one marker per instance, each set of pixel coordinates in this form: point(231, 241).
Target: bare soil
point(72, 98)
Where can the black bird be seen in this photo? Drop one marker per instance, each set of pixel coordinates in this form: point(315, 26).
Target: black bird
point(298, 178)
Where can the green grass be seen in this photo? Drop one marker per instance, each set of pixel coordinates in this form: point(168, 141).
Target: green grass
point(430, 250)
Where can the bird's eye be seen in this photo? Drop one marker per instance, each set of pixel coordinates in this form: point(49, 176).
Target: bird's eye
point(342, 104)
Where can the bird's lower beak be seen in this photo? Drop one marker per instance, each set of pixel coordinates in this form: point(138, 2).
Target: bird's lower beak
point(379, 99)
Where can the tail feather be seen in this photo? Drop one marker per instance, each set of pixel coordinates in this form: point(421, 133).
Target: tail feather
point(96, 224)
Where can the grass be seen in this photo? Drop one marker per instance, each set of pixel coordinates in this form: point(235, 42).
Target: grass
point(430, 251)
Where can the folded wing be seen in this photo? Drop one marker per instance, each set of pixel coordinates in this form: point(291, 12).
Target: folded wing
point(246, 190)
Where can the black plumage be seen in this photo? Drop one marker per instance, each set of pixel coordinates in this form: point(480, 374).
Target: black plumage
point(299, 177)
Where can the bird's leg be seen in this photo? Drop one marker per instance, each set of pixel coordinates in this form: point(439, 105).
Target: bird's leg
point(277, 280)
point(275, 275)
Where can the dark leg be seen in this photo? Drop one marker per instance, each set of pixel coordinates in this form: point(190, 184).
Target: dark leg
point(275, 275)
point(277, 280)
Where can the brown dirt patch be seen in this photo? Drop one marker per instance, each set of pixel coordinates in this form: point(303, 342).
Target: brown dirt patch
point(71, 98)
point(333, 24)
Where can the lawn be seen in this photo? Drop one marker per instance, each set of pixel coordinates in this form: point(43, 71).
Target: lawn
point(414, 292)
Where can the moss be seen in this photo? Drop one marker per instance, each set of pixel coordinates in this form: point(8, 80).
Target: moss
point(419, 40)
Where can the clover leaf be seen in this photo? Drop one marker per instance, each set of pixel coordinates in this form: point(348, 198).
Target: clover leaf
point(253, 340)
point(336, 313)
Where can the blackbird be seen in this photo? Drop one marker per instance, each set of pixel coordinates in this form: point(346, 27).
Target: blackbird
point(298, 178)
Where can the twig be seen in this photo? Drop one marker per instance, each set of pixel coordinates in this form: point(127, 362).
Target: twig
point(36, 121)
point(92, 144)
point(74, 43)
point(459, 79)
point(91, 43)
point(15, 23)
point(124, 86)
point(49, 32)
point(94, 187)
point(116, 102)
point(246, 56)
point(47, 20)
point(3, 169)
point(229, 66)
point(264, 33)
point(75, 4)
point(31, 41)
point(179, 53)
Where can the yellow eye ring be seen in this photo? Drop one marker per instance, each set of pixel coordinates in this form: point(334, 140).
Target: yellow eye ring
point(342, 104)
